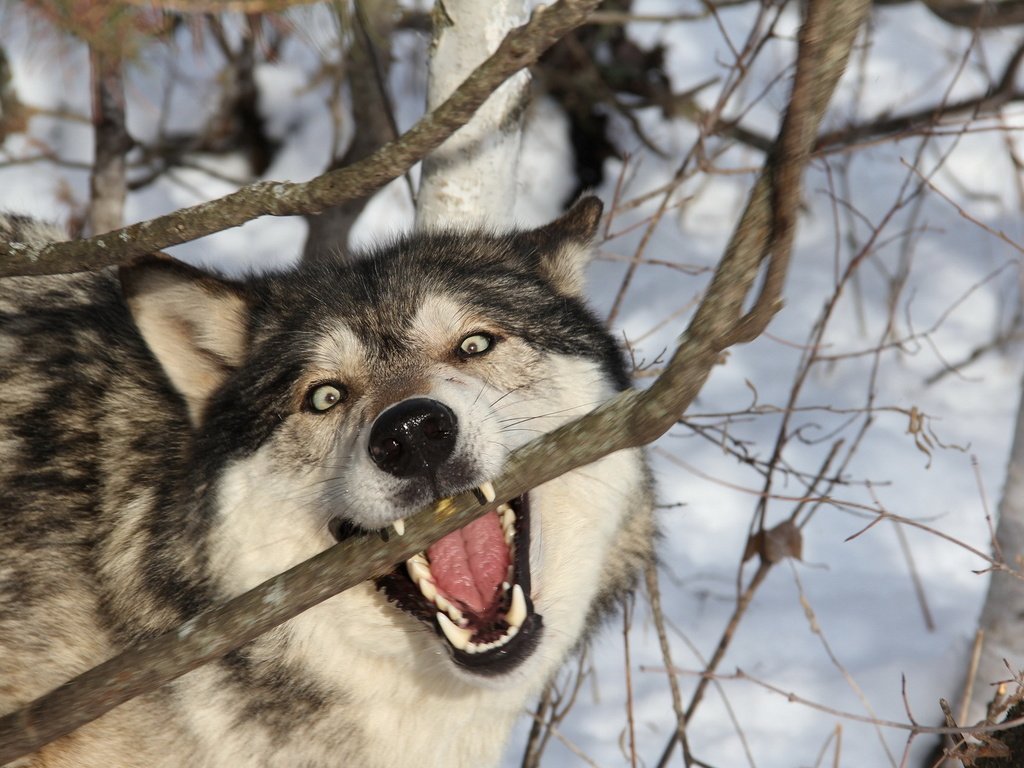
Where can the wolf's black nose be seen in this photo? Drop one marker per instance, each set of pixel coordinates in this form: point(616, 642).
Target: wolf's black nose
point(413, 437)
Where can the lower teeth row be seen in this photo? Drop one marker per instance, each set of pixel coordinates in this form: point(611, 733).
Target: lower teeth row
point(461, 637)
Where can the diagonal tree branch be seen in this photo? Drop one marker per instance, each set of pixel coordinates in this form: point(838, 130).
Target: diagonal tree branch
point(520, 48)
point(632, 419)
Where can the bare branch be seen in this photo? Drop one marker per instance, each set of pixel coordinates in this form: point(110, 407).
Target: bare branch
point(992, 100)
point(520, 48)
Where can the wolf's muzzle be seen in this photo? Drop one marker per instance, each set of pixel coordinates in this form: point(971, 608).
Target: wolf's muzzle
point(413, 437)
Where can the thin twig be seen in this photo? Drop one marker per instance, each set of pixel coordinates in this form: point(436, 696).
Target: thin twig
point(627, 622)
point(654, 598)
point(817, 629)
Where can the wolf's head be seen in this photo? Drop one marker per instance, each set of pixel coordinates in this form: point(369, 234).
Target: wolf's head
point(339, 398)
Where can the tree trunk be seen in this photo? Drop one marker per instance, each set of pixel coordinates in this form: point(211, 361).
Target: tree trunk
point(107, 183)
point(471, 178)
point(1001, 616)
point(369, 61)
point(1000, 627)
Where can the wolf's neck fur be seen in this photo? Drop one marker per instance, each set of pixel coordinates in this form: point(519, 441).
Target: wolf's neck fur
point(410, 712)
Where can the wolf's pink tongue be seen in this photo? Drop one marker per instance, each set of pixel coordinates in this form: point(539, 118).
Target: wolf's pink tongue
point(470, 564)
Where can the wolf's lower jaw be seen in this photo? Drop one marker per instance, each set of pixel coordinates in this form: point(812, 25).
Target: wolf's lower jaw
point(492, 637)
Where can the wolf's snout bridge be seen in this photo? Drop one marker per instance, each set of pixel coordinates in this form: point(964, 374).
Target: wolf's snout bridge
point(413, 437)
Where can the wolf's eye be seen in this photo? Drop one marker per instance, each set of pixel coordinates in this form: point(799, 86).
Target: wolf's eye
point(475, 344)
point(323, 397)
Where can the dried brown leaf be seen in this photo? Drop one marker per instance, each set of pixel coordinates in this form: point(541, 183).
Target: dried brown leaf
point(776, 544)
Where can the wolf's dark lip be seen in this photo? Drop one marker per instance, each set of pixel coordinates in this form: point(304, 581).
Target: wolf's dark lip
point(485, 645)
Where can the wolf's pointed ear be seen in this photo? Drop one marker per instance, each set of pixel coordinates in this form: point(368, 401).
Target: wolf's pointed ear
point(566, 245)
point(193, 323)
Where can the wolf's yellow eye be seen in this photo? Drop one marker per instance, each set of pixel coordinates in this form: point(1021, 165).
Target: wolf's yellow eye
point(475, 344)
point(323, 397)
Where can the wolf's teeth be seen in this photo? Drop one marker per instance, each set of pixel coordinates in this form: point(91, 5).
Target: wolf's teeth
point(428, 589)
point(509, 634)
point(517, 611)
point(418, 568)
point(456, 615)
point(456, 636)
point(479, 647)
point(399, 526)
point(483, 647)
point(487, 489)
point(507, 517)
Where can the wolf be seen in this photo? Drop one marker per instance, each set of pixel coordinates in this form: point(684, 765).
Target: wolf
point(171, 437)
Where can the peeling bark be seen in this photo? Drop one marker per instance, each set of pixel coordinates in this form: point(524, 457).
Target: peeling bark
point(471, 178)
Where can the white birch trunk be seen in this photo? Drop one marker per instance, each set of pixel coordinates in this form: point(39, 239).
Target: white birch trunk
point(1002, 617)
point(471, 178)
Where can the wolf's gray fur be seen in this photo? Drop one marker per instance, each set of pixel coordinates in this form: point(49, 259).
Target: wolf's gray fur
point(170, 438)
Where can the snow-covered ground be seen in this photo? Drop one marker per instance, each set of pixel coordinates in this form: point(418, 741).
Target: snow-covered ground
point(843, 628)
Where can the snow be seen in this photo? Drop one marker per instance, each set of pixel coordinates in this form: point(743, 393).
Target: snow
point(961, 287)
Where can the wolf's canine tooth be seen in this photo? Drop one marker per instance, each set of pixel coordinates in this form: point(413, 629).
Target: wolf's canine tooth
point(457, 636)
point(399, 526)
point(487, 490)
point(517, 612)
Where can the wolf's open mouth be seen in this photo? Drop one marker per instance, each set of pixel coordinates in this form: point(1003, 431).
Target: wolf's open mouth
point(473, 588)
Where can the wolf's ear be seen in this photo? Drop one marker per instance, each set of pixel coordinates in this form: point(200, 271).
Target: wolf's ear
point(565, 245)
point(193, 323)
